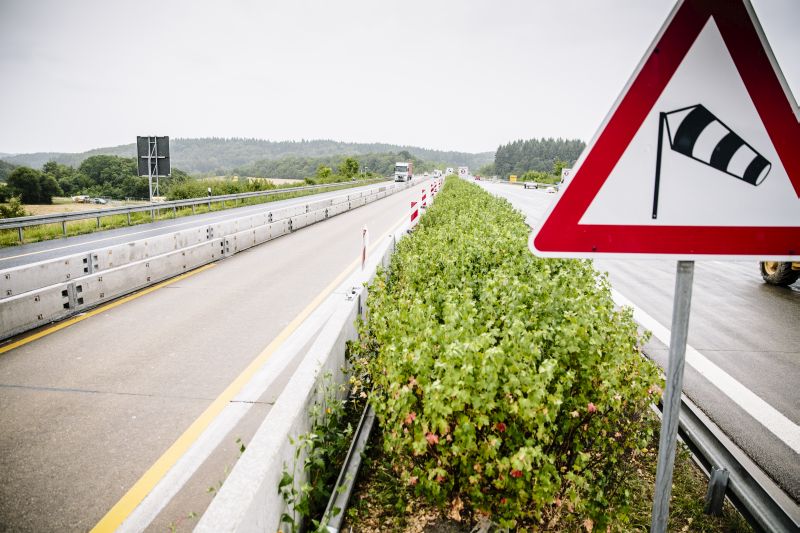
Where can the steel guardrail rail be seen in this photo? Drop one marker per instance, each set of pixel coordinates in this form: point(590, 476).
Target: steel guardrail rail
point(55, 218)
point(757, 498)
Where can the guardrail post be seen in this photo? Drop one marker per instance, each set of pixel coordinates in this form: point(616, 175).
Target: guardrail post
point(715, 495)
point(193, 209)
point(21, 235)
point(64, 227)
point(98, 222)
point(129, 217)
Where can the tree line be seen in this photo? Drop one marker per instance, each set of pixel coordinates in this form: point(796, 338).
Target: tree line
point(220, 156)
point(536, 155)
point(108, 176)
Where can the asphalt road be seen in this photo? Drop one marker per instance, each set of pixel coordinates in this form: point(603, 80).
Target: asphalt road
point(745, 327)
point(86, 410)
point(39, 251)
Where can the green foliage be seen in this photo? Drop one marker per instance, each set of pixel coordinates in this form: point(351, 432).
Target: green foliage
point(503, 379)
point(13, 209)
point(5, 169)
point(381, 164)
point(320, 453)
point(486, 170)
point(32, 186)
point(189, 188)
point(349, 167)
point(519, 157)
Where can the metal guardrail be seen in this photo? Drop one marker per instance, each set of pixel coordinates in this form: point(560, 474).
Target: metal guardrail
point(759, 500)
point(19, 223)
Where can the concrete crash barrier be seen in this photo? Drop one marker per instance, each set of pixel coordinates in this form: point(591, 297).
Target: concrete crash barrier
point(30, 295)
point(249, 499)
point(42, 306)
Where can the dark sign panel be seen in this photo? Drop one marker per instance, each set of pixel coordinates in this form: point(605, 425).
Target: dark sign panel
point(152, 156)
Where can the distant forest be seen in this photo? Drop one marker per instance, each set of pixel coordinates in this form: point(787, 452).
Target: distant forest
point(539, 155)
point(5, 169)
point(292, 167)
point(218, 156)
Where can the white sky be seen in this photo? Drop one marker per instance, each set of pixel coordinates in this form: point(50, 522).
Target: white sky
point(455, 75)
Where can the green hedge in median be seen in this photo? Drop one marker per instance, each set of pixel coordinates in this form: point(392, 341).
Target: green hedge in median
point(503, 382)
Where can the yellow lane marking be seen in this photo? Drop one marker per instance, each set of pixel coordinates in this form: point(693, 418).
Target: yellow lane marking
point(126, 505)
point(97, 311)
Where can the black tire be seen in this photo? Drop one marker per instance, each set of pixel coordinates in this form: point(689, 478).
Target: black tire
point(776, 273)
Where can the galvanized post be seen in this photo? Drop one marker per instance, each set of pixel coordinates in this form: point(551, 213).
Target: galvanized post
point(193, 209)
point(129, 217)
point(98, 222)
point(21, 235)
point(672, 395)
point(64, 227)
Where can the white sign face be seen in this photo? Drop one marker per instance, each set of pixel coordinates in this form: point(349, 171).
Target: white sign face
point(692, 192)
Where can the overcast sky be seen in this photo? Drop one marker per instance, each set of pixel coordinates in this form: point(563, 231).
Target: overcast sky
point(456, 75)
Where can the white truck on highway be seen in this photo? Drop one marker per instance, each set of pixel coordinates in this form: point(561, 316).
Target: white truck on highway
point(403, 171)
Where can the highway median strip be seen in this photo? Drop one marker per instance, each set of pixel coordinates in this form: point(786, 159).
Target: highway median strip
point(509, 390)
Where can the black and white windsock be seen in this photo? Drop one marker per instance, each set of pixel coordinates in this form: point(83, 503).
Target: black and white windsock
point(695, 132)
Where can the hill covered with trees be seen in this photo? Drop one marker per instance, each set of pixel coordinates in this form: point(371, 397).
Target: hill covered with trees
point(217, 156)
point(540, 155)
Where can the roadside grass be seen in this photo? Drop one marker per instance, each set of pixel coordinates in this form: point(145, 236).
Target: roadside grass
point(47, 232)
point(381, 503)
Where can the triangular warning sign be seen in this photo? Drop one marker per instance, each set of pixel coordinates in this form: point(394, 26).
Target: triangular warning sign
point(698, 158)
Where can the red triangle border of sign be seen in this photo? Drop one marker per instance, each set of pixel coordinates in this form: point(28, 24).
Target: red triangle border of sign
point(562, 233)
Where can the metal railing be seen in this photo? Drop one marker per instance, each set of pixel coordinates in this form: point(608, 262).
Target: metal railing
point(19, 223)
point(759, 500)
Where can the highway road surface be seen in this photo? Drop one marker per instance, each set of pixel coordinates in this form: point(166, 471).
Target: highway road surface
point(88, 410)
point(746, 338)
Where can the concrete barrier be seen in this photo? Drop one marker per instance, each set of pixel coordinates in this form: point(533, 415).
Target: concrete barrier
point(31, 295)
point(249, 499)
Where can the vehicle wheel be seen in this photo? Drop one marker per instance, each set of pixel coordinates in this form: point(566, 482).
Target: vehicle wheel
point(778, 273)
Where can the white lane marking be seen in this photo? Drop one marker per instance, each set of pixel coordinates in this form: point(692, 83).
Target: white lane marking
point(171, 226)
point(769, 417)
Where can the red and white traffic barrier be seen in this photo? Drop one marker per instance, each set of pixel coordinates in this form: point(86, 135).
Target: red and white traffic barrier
point(414, 214)
point(424, 199)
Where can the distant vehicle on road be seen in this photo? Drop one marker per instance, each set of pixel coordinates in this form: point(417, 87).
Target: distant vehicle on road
point(780, 273)
point(550, 190)
point(530, 185)
point(477, 178)
point(99, 201)
point(403, 171)
point(81, 199)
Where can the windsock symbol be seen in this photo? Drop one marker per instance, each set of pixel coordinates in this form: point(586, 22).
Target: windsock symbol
point(696, 133)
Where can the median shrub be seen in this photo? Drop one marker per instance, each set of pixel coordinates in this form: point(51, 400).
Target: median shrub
point(505, 384)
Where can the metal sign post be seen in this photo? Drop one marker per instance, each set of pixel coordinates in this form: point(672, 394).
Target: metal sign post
point(153, 161)
point(672, 395)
